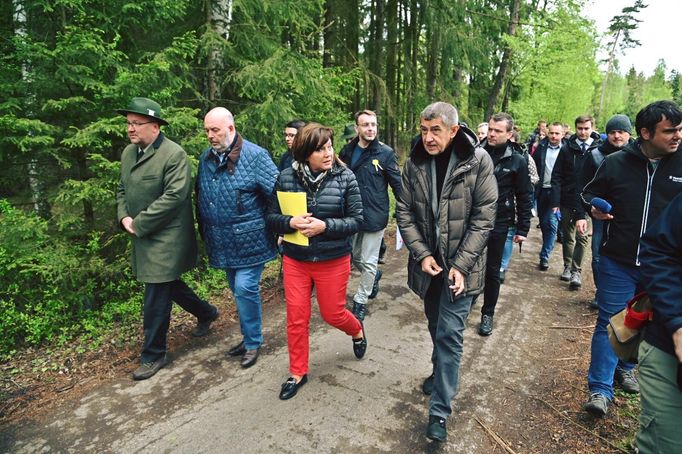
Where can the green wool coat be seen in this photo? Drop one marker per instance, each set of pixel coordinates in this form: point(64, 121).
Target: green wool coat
point(156, 192)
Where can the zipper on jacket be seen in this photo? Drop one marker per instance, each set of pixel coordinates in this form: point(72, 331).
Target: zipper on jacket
point(647, 202)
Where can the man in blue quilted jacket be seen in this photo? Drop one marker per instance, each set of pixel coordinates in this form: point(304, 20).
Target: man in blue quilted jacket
point(234, 181)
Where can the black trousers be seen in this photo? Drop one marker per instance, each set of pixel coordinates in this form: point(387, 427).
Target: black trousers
point(158, 302)
point(491, 291)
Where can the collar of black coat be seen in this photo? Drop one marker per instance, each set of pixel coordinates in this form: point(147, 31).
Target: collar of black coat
point(233, 153)
point(463, 145)
point(509, 148)
point(573, 142)
point(347, 150)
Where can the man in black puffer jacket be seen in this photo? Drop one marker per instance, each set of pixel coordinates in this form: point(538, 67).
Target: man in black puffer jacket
point(513, 203)
point(564, 196)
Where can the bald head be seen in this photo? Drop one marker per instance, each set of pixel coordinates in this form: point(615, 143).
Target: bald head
point(219, 128)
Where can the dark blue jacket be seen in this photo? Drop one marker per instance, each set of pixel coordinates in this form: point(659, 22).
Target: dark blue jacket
point(337, 202)
point(376, 169)
point(566, 170)
point(539, 158)
point(661, 258)
point(231, 202)
point(285, 160)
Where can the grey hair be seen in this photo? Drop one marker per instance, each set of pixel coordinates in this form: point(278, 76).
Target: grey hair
point(443, 111)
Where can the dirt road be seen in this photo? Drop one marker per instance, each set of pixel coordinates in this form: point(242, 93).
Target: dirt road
point(204, 403)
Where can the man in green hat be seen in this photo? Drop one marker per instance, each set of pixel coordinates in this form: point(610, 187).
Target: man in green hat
point(154, 201)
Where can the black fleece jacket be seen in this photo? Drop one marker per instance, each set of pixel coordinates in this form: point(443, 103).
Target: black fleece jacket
point(638, 192)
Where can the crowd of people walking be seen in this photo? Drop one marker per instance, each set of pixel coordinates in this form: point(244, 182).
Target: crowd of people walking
point(463, 199)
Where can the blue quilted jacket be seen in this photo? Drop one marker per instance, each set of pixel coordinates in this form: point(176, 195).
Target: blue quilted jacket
point(337, 202)
point(231, 199)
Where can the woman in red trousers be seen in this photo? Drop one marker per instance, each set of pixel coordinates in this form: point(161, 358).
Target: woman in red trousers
point(334, 214)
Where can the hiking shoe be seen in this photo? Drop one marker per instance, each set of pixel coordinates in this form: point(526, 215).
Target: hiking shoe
point(544, 265)
point(204, 325)
point(502, 276)
point(486, 327)
point(359, 310)
point(436, 429)
point(593, 304)
point(566, 275)
point(598, 405)
point(147, 370)
point(427, 386)
point(576, 281)
point(375, 287)
point(626, 380)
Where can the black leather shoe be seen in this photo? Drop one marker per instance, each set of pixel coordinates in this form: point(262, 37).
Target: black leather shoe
point(249, 358)
point(436, 429)
point(375, 287)
point(237, 350)
point(544, 265)
point(204, 325)
point(486, 327)
point(290, 387)
point(427, 386)
point(360, 345)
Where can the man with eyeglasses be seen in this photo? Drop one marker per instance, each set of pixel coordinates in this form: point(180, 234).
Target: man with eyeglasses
point(154, 201)
point(375, 167)
point(290, 131)
point(235, 180)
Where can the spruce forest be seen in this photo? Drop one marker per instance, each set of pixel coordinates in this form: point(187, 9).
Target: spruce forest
point(67, 65)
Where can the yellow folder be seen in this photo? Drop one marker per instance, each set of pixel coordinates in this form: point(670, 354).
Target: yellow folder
point(293, 204)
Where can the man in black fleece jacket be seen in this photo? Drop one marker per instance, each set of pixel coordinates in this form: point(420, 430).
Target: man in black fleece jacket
point(638, 181)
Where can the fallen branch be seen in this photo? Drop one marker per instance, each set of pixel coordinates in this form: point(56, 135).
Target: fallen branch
point(495, 437)
point(572, 327)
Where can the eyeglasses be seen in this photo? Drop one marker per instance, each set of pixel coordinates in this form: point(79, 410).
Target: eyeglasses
point(288, 135)
point(137, 124)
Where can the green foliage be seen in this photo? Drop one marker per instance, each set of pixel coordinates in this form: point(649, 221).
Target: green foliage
point(555, 46)
point(67, 65)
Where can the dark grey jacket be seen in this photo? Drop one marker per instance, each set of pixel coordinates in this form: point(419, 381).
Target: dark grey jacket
point(466, 213)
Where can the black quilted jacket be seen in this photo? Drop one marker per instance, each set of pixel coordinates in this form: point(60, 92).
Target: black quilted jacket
point(337, 202)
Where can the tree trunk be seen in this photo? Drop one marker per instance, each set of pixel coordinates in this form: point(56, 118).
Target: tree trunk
point(504, 64)
point(218, 16)
point(41, 205)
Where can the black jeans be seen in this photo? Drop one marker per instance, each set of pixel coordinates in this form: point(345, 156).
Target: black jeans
point(491, 292)
point(158, 302)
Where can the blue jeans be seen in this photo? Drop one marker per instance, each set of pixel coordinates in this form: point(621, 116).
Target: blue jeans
point(245, 284)
point(597, 235)
point(618, 283)
point(508, 248)
point(548, 223)
point(446, 317)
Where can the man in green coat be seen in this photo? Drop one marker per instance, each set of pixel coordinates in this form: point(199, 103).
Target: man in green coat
point(155, 208)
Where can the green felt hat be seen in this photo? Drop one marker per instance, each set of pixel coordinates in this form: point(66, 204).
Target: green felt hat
point(146, 107)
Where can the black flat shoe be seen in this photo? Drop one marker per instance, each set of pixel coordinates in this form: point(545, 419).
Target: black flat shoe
point(290, 387)
point(360, 345)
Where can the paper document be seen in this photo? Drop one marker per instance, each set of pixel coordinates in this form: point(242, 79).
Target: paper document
point(293, 204)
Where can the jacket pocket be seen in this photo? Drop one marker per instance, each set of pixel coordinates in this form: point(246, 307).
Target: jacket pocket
point(249, 237)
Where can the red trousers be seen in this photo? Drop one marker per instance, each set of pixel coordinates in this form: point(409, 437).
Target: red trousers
point(330, 278)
